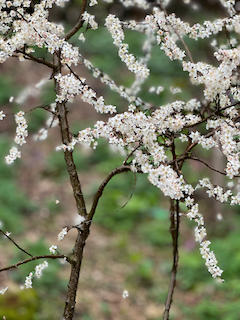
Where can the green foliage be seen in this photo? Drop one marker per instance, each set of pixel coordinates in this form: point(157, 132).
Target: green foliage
point(191, 270)
point(47, 93)
point(6, 85)
point(13, 201)
point(130, 212)
point(155, 232)
point(49, 278)
point(143, 273)
point(36, 120)
point(45, 310)
point(213, 309)
point(19, 305)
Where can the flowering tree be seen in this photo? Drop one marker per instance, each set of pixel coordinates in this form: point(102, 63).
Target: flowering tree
point(157, 140)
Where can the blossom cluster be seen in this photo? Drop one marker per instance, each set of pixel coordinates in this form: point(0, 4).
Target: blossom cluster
point(14, 154)
point(28, 281)
point(147, 134)
point(2, 115)
point(39, 268)
point(21, 130)
point(159, 24)
point(30, 30)
point(121, 90)
point(21, 134)
point(62, 234)
point(37, 273)
point(200, 234)
point(90, 19)
point(115, 28)
point(53, 249)
point(70, 86)
point(219, 193)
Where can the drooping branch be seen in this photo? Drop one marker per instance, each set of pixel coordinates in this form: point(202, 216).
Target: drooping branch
point(132, 152)
point(99, 192)
point(209, 166)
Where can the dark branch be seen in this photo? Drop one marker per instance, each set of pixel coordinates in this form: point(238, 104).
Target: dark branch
point(174, 230)
point(208, 165)
point(15, 244)
point(99, 192)
point(79, 23)
point(39, 60)
point(13, 266)
point(131, 153)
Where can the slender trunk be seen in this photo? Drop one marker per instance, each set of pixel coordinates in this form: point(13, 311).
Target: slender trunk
point(75, 272)
point(83, 232)
point(174, 230)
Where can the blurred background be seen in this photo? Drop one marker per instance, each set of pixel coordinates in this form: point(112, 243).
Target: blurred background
point(129, 247)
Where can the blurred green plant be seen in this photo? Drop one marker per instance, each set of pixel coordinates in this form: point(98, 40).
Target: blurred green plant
point(14, 203)
point(21, 305)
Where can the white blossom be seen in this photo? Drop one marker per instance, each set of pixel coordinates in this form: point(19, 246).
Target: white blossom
point(2, 115)
point(125, 294)
point(53, 249)
point(2, 291)
point(62, 234)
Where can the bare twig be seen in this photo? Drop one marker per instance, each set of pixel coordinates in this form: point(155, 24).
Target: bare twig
point(39, 60)
point(47, 256)
point(131, 153)
point(29, 254)
point(208, 165)
point(99, 192)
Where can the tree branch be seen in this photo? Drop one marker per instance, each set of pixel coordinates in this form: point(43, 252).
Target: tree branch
point(39, 60)
point(79, 23)
point(15, 244)
point(99, 192)
point(47, 256)
point(83, 233)
point(177, 33)
point(208, 165)
point(174, 230)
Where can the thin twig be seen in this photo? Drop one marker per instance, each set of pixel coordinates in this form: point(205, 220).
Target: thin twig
point(177, 33)
point(29, 254)
point(47, 256)
point(214, 113)
point(99, 192)
point(208, 165)
point(79, 23)
point(46, 107)
point(39, 60)
point(131, 153)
